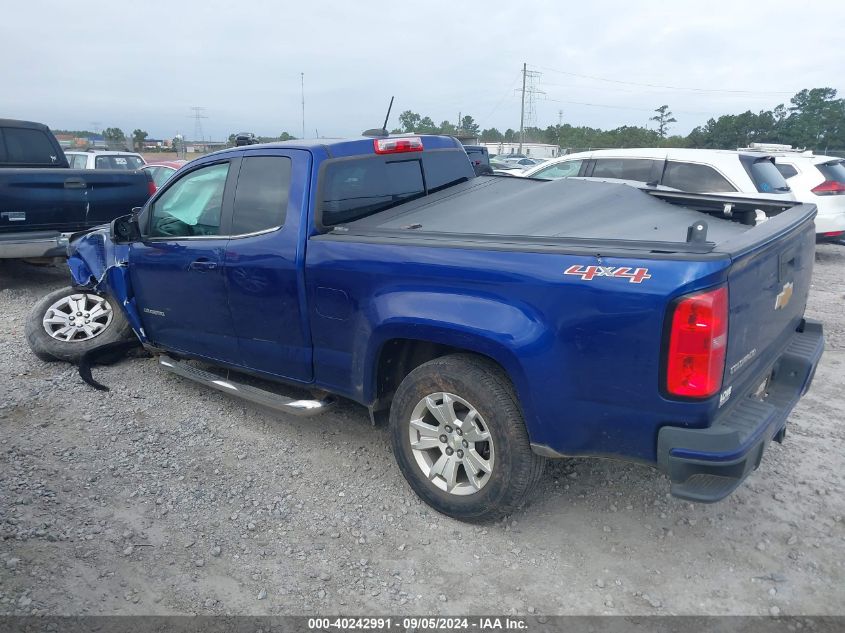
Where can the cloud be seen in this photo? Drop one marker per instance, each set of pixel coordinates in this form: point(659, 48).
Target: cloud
point(146, 64)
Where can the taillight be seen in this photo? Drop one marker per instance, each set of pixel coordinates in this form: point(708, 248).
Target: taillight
point(833, 234)
point(151, 187)
point(697, 342)
point(829, 188)
point(398, 145)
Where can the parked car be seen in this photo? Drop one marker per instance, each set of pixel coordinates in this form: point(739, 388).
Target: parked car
point(495, 322)
point(102, 159)
point(813, 178)
point(523, 162)
point(245, 138)
point(499, 165)
point(734, 173)
point(162, 170)
point(43, 200)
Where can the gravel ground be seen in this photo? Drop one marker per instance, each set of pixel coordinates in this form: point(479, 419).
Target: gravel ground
point(160, 497)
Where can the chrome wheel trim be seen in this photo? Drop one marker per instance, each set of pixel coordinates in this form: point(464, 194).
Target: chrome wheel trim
point(451, 444)
point(78, 317)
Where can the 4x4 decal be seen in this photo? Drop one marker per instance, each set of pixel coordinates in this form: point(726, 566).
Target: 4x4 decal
point(588, 273)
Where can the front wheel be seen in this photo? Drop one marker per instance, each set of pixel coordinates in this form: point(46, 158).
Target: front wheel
point(68, 322)
point(460, 441)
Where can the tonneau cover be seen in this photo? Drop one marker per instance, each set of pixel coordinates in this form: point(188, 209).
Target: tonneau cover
point(507, 206)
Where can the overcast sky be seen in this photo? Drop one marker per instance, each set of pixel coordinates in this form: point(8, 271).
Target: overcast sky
point(145, 64)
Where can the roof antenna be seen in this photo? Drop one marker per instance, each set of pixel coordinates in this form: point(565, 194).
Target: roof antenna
point(383, 130)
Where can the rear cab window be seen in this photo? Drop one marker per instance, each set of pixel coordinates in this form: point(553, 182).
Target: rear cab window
point(118, 162)
point(352, 189)
point(25, 146)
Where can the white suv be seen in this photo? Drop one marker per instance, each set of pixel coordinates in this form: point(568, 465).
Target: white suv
point(105, 160)
point(817, 179)
point(734, 173)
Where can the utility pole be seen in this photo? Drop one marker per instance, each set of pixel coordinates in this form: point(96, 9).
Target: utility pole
point(529, 91)
point(302, 83)
point(522, 110)
point(199, 136)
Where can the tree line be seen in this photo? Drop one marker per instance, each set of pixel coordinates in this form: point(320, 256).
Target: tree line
point(813, 119)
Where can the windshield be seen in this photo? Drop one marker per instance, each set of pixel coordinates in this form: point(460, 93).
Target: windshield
point(766, 177)
point(118, 162)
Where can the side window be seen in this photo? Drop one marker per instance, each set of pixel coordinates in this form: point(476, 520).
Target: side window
point(29, 147)
point(695, 178)
point(192, 206)
point(638, 169)
point(787, 171)
point(560, 170)
point(261, 197)
point(161, 175)
point(79, 161)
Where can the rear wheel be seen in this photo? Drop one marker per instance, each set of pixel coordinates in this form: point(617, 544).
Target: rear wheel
point(460, 441)
point(68, 322)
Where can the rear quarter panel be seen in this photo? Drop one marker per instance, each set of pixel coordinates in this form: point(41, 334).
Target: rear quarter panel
point(584, 355)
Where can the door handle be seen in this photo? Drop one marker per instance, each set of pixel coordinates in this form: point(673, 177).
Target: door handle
point(75, 183)
point(202, 264)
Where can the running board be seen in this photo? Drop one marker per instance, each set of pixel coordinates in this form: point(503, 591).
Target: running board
point(302, 408)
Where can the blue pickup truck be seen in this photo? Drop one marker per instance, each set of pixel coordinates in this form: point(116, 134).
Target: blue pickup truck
point(494, 322)
point(43, 201)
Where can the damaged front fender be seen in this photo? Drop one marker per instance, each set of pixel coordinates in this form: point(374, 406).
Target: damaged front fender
point(98, 264)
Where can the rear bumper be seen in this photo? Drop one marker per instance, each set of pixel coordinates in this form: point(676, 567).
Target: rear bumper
point(829, 221)
point(706, 465)
point(33, 244)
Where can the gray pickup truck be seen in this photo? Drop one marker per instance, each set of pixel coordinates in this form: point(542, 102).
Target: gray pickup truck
point(43, 201)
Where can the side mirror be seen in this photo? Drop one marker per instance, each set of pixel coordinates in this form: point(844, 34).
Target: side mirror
point(125, 229)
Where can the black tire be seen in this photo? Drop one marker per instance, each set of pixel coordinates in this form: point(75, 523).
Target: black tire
point(516, 469)
point(48, 348)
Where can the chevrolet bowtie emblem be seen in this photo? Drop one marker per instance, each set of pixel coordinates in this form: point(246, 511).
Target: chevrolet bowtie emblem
point(784, 296)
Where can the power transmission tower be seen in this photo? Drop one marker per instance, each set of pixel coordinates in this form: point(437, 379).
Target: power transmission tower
point(198, 116)
point(528, 112)
point(302, 84)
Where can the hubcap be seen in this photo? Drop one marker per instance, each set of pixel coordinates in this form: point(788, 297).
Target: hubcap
point(451, 443)
point(77, 317)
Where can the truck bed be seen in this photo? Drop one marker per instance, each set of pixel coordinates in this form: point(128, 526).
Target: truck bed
point(573, 212)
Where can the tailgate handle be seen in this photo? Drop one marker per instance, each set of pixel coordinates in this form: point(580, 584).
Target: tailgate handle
point(785, 262)
point(74, 183)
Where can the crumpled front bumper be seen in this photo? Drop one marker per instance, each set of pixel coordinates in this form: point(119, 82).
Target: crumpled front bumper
point(706, 465)
point(98, 264)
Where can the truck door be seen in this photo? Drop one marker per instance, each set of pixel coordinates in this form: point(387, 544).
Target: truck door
point(177, 270)
point(263, 264)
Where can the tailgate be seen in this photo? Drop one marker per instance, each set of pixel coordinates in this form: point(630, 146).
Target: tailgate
point(42, 199)
point(115, 192)
point(768, 284)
